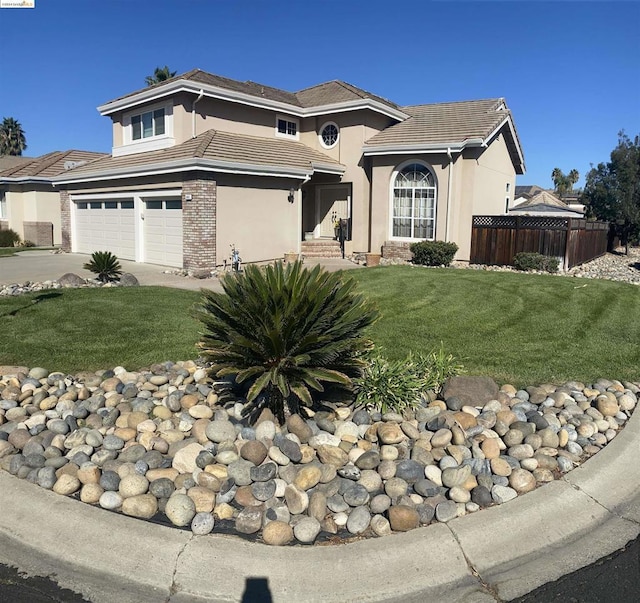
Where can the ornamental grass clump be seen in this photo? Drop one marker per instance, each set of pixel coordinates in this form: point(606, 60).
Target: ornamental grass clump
point(396, 385)
point(105, 266)
point(286, 333)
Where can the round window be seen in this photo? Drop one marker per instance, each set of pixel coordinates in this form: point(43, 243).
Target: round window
point(329, 135)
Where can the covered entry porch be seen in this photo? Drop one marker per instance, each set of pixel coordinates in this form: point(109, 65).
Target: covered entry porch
point(325, 206)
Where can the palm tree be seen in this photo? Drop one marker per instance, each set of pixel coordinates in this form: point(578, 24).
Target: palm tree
point(564, 182)
point(160, 74)
point(12, 139)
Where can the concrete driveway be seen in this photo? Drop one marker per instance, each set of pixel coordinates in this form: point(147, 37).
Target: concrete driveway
point(38, 266)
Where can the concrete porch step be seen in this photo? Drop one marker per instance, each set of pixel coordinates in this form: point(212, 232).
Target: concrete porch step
point(321, 248)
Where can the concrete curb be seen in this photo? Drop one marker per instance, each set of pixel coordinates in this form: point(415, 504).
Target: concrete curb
point(494, 555)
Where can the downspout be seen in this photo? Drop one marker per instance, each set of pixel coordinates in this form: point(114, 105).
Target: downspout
point(193, 114)
point(446, 232)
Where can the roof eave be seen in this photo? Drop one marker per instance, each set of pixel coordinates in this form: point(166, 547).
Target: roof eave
point(520, 167)
point(182, 165)
point(26, 180)
point(183, 85)
point(441, 147)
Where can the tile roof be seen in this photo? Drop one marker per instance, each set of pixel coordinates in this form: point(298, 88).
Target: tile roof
point(444, 123)
point(527, 190)
point(542, 198)
point(221, 147)
point(49, 165)
point(335, 92)
point(10, 161)
point(321, 94)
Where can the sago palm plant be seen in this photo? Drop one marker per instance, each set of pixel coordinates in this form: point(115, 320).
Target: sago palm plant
point(105, 265)
point(285, 332)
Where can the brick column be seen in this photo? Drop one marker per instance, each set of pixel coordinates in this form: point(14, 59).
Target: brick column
point(65, 219)
point(199, 222)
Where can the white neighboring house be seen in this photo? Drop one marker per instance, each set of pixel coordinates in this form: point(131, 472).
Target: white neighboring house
point(543, 203)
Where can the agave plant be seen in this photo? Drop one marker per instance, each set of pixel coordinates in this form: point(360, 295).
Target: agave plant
point(286, 333)
point(105, 265)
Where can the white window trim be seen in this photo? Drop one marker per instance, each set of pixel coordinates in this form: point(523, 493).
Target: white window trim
point(394, 175)
point(324, 125)
point(151, 143)
point(4, 206)
point(291, 119)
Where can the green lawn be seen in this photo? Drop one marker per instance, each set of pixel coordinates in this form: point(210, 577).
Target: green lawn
point(517, 328)
point(9, 251)
point(90, 329)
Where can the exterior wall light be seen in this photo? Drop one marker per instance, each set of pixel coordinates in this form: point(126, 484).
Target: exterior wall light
point(291, 196)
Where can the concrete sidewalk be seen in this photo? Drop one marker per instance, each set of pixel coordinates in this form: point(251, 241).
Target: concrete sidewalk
point(495, 555)
point(38, 266)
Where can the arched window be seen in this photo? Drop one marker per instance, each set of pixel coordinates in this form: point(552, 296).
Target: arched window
point(414, 203)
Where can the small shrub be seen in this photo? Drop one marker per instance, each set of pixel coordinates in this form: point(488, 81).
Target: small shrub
point(9, 238)
point(27, 243)
point(389, 385)
point(105, 265)
point(438, 367)
point(396, 385)
point(433, 253)
point(285, 332)
point(535, 261)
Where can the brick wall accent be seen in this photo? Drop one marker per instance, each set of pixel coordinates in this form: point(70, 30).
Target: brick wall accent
point(40, 233)
point(65, 214)
point(199, 222)
point(4, 224)
point(396, 250)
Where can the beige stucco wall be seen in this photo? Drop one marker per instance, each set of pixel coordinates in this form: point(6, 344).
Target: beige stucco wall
point(481, 189)
point(33, 203)
point(255, 215)
point(383, 168)
point(478, 186)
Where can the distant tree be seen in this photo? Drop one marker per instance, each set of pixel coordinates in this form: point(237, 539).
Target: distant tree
point(564, 182)
point(12, 139)
point(160, 74)
point(612, 190)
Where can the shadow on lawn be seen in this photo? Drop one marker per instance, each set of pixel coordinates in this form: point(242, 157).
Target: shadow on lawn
point(36, 300)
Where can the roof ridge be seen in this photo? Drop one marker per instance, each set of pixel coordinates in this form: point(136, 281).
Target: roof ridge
point(460, 102)
point(36, 160)
point(207, 137)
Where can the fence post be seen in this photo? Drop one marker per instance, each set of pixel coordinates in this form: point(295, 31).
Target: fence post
point(566, 258)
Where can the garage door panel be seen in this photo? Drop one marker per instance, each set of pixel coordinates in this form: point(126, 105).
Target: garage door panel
point(163, 232)
point(105, 226)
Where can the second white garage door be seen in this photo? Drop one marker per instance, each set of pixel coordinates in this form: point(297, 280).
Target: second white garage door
point(162, 228)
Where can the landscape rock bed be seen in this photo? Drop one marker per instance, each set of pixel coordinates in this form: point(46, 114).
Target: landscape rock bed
point(171, 442)
point(66, 281)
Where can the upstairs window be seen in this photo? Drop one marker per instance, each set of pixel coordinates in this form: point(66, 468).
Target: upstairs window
point(147, 125)
point(286, 127)
point(329, 135)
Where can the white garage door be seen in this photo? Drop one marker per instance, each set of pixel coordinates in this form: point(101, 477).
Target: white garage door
point(106, 226)
point(163, 232)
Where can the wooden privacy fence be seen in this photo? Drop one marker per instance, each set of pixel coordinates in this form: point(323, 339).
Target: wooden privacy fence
point(496, 239)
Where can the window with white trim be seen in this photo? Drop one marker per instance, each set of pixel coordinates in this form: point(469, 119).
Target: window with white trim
point(148, 125)
point(414, 203)
point(3, 206)
point(287, 127)
point(329, 135)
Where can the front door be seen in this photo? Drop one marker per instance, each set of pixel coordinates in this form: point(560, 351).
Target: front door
point(332, 204)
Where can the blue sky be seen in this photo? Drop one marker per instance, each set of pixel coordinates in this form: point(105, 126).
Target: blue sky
point(570, 71)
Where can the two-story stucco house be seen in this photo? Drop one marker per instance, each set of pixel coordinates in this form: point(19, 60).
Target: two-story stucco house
point(200, 162)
